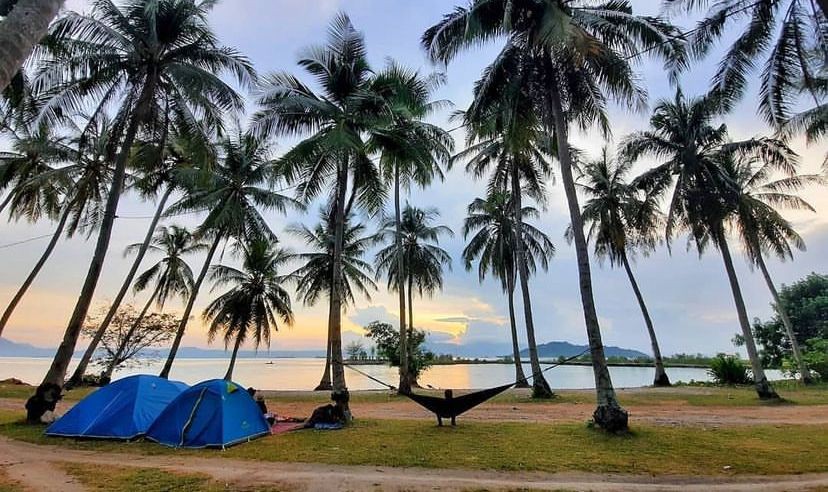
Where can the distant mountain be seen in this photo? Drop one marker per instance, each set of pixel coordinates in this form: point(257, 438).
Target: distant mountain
point(469, 350)
point(13, 349)
point(553, 350)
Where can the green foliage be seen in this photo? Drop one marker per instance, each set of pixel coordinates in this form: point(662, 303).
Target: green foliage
point(730, 370)
point(387, 340)
point(816, 356)
point(806, 302)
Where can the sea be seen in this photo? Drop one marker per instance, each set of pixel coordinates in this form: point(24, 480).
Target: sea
point(303, 374)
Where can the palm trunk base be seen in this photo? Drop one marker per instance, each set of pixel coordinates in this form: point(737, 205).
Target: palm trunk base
point(522, 383)
point(611, 418)
point(806, 379)
point(324, 386)
point(45, 399)
point(404, 387)
point(661, 380)
point(342, 398)
point(765, 390)
point(541, 389)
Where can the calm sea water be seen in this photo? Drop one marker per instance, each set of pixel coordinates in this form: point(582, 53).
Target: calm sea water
point(304, 374)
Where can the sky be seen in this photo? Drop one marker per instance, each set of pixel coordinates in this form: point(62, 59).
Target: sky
point(688, 296)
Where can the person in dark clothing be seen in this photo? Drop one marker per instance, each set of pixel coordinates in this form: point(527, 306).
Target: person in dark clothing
point(44, 400)
point(330, 414)
point(449, 396)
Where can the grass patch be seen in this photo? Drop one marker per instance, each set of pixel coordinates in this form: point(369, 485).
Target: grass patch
point(7, 484)
point(24, 391)
point(768, 450)
point(128, 479)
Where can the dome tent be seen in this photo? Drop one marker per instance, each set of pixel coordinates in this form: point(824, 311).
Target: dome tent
point(124, 409)
point(215, 413)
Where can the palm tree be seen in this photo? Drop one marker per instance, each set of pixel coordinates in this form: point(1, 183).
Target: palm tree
point(620, 222)
point(157, 165)
point(812, 122)
point(579, 53)
point(334, 152)
point(763, 230)
point(150, 56)
point(506, 140)
point(25, 23)
point(71, 193)
point(491, 225)
point(232, 191)
point(251, 307)
point(171, 275)
point(423, 259)
point(781, 36)
point(695, 154)
point(411, 152)
point(313, 279)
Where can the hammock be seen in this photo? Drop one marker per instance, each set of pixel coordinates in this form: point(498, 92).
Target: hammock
point(451, 406)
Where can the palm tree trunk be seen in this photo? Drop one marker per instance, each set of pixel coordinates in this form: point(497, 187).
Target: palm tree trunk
point(405, 377)
point(325, 382)
point(520, 377)
point(412, 378)
point(660, 378)
point(804, 373)
point(106, 376)
point(64, 216)
point(540, 388)
point(57, 371)
point(763, 387)
point(80, 371)
point(608, 415)
point(6, 201)
point(340, 388)
point(24, 27)
point(182, 325)
point(229, 375)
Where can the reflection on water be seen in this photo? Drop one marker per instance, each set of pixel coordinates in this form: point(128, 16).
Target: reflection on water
point(304, 374)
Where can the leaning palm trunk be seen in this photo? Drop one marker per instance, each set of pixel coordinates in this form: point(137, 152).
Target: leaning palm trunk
point(540, 388)
point(412, 378)
point(405, 376)
point(763, 387)
point(20, 31)
point(660, 378)
point(232, 365)
point(57, 371)
point(64, 216)
point(608, 415)
point(520, 377)
point(80, 371)
point(804, 373)
point(338, 371)
point(6, 201)
point(106, 376)
point(182, 325)
point(325, 382)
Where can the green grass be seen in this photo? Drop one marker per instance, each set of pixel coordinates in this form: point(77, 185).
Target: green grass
point(23, 392)
point(128, 479)
point(515, 446)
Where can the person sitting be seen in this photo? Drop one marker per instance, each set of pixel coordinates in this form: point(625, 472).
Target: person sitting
point(332, 415)
point(260, 402)
point(449, 394)
point(40, 407)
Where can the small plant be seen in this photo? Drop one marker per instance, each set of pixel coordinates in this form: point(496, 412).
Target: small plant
point(729, 370)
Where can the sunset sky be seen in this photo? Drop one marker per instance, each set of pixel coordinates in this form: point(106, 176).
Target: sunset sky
point(689, 297)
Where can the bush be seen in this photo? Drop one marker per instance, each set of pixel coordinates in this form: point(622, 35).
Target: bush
point(730, 370)
point(816, 357)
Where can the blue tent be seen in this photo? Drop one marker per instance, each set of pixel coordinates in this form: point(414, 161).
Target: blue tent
point(215, 413)
point(123, 409)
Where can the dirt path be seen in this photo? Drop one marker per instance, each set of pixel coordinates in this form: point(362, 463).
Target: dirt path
point(35, 468)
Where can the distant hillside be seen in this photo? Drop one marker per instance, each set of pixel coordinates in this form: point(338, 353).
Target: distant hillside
point(553, 350)
point(14, 349)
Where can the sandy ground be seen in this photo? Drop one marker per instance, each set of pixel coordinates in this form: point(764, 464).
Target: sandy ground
point(34, 466)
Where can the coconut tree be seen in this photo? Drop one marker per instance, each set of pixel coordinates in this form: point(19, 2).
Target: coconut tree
point(256, 299)
point(693, 156)
point(411, 151)
point(333, 155)
point(71, 193)
point(620, 222)
point(232, 191)
point(171, 275)
point(506, 141)
point(156, 165)
point(423, 258)
point(491, 224)
point(313, 279)
point(763, 230)
point(147, 56)
point(786, 38)
point(25, 23)
point(581, 55)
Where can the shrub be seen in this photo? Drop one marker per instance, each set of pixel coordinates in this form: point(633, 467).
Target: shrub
point(816, 357)
point(730, 370)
